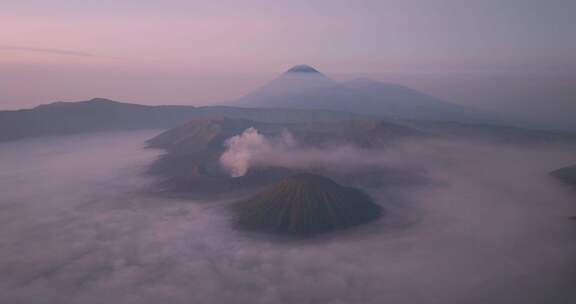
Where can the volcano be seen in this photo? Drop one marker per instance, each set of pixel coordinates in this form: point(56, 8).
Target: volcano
point(306, 204)
point(305, 87)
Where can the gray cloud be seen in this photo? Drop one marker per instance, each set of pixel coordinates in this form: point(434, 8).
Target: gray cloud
point(46, 50)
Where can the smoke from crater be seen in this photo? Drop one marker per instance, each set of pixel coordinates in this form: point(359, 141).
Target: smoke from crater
point(254, 150)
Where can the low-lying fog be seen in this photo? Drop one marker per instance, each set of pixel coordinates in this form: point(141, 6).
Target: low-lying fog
point(77, 225)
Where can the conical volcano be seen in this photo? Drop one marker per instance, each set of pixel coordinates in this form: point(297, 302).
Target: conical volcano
point(306, 204)
point(305, 87)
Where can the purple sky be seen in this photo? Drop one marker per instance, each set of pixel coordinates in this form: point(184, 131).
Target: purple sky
point(514, 55)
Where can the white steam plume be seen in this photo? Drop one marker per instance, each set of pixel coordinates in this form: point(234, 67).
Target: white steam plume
point(252, 149)
point(249, 147)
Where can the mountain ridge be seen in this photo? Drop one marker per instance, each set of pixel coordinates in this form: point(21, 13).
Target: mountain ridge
point(101, 114)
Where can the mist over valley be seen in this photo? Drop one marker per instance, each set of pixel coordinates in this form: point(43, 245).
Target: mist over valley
point(79, 217)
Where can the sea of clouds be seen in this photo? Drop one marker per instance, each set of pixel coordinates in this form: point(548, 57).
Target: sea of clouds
point(79, 224)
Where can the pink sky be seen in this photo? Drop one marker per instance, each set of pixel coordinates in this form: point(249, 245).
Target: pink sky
point(513, 56)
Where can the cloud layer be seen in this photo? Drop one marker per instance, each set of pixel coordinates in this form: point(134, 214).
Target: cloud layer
point(77, 225)
point(45, 50)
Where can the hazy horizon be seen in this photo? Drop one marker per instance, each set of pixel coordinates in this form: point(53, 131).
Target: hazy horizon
point(515, 57)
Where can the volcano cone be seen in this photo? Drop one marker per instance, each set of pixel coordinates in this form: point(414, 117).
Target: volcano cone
point(306, 204)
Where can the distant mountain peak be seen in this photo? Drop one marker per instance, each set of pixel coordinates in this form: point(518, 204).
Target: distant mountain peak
point(303, 68)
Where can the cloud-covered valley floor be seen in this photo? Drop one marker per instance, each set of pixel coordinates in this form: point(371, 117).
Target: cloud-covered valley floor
point(78, 225)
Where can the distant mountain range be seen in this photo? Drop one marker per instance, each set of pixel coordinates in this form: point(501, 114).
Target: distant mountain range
point(300, 95)
point(305, 87)
point(101, 114)
point(88, 116)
